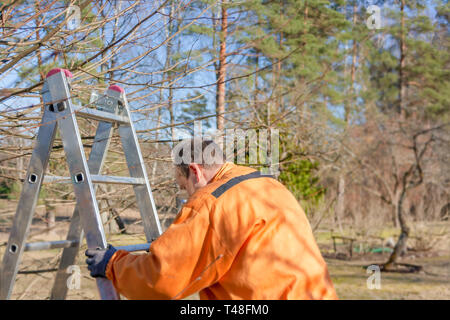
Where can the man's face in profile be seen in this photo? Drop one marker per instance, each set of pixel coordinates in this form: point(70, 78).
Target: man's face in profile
point(183, 182)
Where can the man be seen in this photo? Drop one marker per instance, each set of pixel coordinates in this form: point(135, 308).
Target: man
point(241, 235)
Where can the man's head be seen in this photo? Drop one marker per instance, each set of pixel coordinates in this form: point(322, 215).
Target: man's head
point(196, 162)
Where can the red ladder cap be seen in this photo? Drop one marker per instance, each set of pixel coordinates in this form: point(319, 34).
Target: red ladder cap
point(56, 70)
point(115, 87)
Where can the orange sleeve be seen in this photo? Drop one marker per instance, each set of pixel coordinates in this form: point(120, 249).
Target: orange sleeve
point(186, 258)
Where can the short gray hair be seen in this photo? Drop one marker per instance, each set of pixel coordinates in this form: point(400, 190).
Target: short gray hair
point(197, 150)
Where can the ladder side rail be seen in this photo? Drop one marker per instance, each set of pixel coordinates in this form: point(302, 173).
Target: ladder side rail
point(136, 166)
point(79, 171)
point(28, 198)
point(95, 163)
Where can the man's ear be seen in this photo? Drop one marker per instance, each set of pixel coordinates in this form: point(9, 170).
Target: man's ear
point(195, 171)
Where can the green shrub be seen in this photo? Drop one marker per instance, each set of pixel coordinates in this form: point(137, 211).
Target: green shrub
point(5, 190)
point(300, 178)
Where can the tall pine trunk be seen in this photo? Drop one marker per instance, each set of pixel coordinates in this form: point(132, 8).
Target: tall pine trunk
point(349, 105)
point(220, 98)
point(402, 84)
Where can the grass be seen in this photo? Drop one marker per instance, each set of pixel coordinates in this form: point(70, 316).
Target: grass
point(350, 280)
point(349, 276)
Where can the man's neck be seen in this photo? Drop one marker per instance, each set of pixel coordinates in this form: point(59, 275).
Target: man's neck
point(212, 174)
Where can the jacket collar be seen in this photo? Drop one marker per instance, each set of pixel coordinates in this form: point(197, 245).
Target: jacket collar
point(226, 167)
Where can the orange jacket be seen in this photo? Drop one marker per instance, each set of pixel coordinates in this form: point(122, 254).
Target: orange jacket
point(235, 238)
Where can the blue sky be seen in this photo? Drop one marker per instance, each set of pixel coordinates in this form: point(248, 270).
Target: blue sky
point(199, 78)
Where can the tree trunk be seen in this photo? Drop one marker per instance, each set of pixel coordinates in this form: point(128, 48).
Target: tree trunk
point(169, 30)
point(395, 222)
point(402, 83)
point(340, 205)
point(19, 164)
point(50, 217)
point(220, 99)
point(400, 246)
point(118, 220)
point(255, 90)
point(353, 68)
point(39, 56)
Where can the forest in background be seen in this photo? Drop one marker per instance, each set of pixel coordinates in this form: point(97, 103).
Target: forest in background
point(362, 109)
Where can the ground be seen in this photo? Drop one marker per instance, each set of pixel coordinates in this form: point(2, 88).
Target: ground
point(350, 276)
point(350, 280)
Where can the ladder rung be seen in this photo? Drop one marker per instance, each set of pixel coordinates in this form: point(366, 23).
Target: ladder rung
point(45, 245)
point(96, 178)
point(101, 115)
point(135, 247)
point(117, 180)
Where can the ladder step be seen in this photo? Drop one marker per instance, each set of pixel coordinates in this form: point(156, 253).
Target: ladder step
point(135, 247)
point(45, 245)
point(101, 115)
point(96, 178)
point(117, 180)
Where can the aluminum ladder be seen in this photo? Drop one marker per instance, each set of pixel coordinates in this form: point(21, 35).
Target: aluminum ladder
point(59, 113)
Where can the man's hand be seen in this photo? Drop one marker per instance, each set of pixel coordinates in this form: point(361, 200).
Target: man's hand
point(98, 260)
